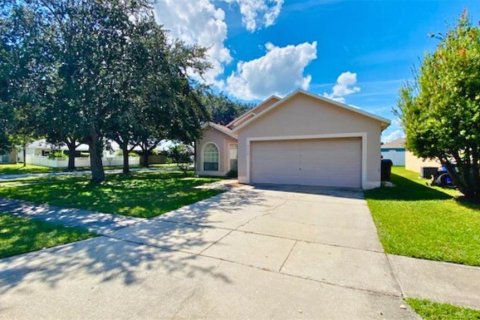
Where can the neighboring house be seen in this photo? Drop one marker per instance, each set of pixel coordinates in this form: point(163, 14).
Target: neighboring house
point(302, 139)
point(8, 157)
point(395, 151)
point(414, 163)
point(38, 153)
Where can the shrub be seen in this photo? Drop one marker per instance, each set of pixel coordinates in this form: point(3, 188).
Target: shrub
point(232, 174)
point(57, 155)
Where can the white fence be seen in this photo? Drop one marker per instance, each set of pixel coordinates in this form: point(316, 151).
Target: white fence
point(397, 157)
point(79, 162)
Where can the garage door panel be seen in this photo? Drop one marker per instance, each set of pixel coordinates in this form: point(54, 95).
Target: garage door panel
point(323, 162)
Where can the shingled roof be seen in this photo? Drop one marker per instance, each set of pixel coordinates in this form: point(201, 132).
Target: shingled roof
point(397, 144)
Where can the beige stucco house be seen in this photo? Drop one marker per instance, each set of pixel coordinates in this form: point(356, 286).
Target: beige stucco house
point(302, 139)
point(414, 163)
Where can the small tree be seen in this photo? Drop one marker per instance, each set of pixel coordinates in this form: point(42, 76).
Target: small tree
point(181, 154)
point(441, 110)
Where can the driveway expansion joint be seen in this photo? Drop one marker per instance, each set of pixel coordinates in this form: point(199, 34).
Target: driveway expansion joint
point(201, 254)
point(394, 275)
point(288, 255)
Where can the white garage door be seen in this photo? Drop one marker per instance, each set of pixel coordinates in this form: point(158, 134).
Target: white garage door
point(319, 162)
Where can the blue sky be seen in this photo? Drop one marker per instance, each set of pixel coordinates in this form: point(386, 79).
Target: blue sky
point(263, 47)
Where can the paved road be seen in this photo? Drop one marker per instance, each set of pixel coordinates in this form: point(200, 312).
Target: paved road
point(247, 253)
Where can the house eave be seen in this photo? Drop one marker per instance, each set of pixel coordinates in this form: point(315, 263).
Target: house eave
point(220, 128)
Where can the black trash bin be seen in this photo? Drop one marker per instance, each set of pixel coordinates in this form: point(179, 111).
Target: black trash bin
point(386, 169)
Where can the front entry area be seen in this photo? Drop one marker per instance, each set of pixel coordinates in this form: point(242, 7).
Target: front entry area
point(316, 162)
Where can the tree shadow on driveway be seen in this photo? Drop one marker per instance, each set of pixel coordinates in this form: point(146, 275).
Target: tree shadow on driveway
point(105, 259)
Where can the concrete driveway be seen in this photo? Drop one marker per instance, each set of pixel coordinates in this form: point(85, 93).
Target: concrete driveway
point(249, 253)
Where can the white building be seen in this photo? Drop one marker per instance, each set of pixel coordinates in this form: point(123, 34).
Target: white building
point(395, 151)
point(40, 153)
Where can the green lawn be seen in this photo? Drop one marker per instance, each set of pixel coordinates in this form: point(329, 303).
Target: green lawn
point(416, 220)
point(139, 194)
point(20, 169)
point(20, 235)
point(429, 310)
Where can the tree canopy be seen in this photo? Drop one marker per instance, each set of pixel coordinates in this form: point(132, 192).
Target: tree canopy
point(440, 111)
point(223, 110)
point(81, 71)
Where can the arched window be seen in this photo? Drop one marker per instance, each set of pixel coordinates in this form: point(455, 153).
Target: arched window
point(210, 157)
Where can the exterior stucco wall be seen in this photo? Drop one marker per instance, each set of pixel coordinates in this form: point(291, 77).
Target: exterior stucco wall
point(305, 116)
point(222, 142)
point(414, 163)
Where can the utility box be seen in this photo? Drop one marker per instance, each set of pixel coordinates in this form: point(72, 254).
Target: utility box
point(428, 172)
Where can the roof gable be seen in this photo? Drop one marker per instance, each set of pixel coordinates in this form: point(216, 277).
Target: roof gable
point(220, 128)
point(385, 122)
point(252, 112)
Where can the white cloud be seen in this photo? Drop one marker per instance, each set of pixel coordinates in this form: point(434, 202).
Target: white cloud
point(393, 135)
point(258, 13)
point(346, 85)
point(278, 72)
point(197, 22)
point(394, 132)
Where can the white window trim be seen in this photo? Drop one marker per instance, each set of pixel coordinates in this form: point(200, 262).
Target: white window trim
point(362, 135)
point(202, 156)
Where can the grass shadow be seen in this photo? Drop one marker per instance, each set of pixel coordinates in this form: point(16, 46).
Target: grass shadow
point(407, 190)
point(20, 235)
point(139, 194)
point(467, 203)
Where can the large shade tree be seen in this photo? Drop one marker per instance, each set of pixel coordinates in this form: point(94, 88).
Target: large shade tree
point(158, 100)
point(107, 72)
point(440, 111)
point(22, 66)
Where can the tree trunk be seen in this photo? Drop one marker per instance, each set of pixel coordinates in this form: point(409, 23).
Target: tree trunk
point(476, 172)
point(145, 154)
point(24, 155)
point(96, 165)
point(195, 157)
point(71, 155)
point(126, 166)
point(462, 178)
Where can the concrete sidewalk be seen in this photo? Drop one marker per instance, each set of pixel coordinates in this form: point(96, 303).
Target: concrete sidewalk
point(97, 222)
point(438, 281)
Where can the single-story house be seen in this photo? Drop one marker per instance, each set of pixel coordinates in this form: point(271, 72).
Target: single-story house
point(395, 151)
point(8, 157)
point(301, 139)
point(414, 163)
